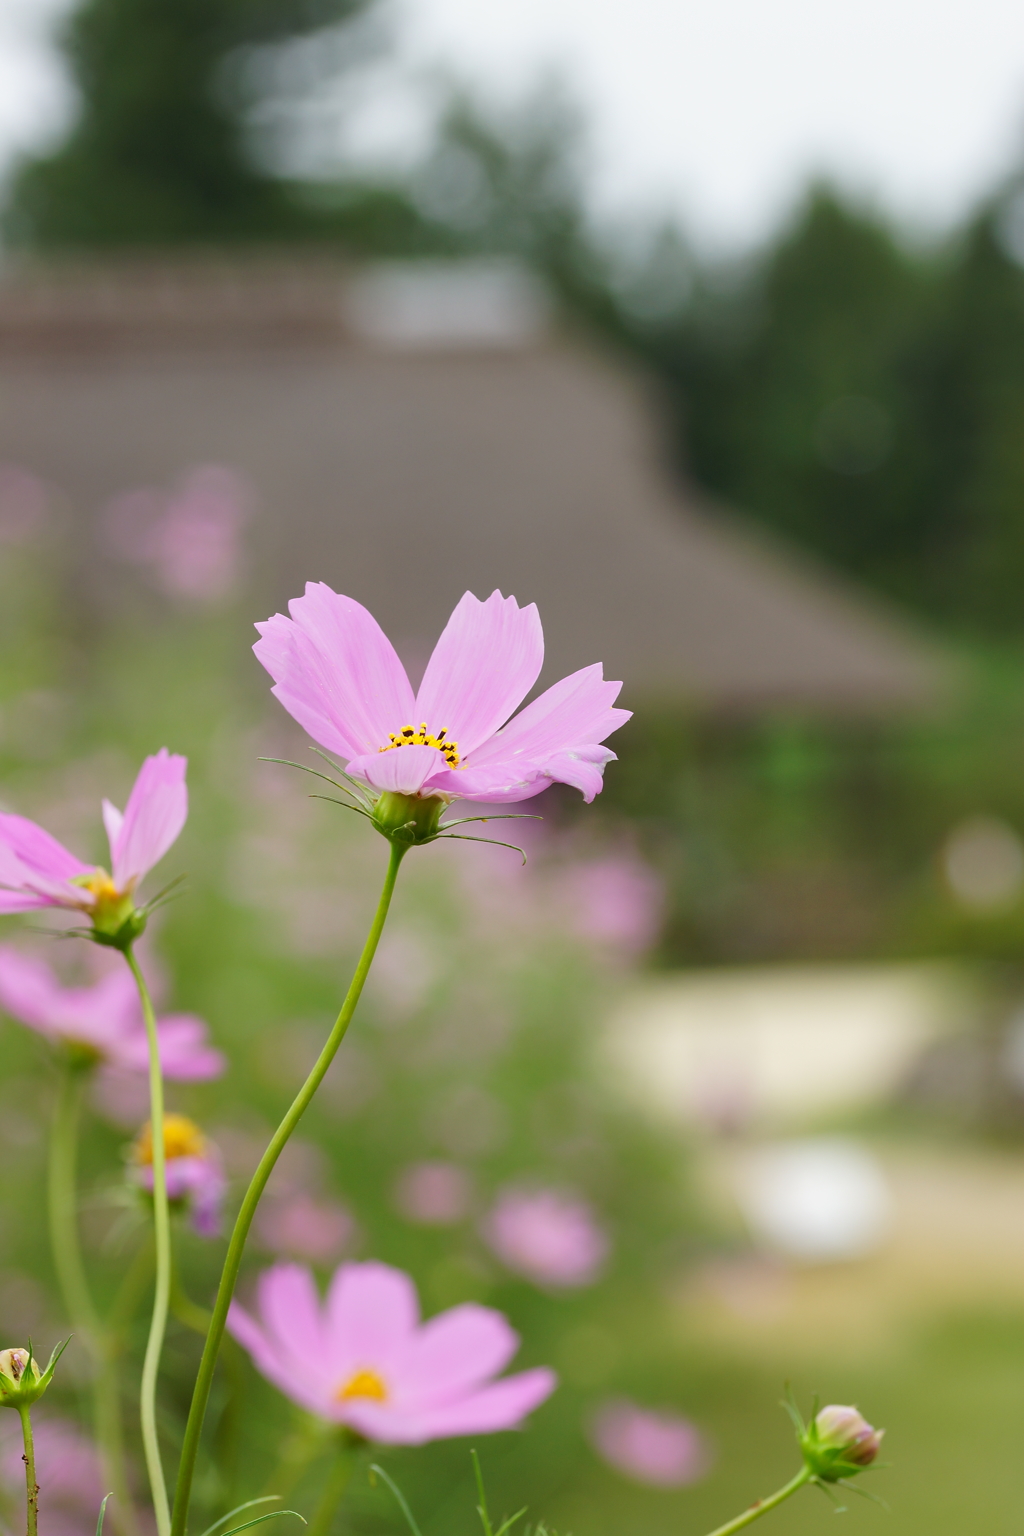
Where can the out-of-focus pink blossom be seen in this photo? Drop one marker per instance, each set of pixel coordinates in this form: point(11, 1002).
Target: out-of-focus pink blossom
point(337, 673)
point(36, 871)
point(67, 1471)
point(434, 1194)
point(24, 504)
point(660, 1448)
point(194, 1171)
point(550, 1237)
point(364, 1358)
point(190, 538)
point(302, 1226)
point(104, 1021)
point(613, 902)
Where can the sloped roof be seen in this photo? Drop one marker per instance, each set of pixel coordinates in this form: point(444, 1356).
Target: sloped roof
point(406, 477)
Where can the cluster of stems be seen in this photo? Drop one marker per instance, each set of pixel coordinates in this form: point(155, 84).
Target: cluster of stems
point(102, 1337)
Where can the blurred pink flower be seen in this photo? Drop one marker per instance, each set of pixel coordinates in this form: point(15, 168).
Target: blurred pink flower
point(24, 504)
point(36, 871)
point(337, 673)
point(67, 1471)
point(613, 902)
point(195, 1171)
point(434, 1194)
point(104, 1020)
point(190, 538)
point(652, 1447)
point(549, 1237)
point(365, 1360)
point(302, 1226)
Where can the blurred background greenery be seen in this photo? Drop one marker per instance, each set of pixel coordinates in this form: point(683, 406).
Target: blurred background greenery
point(850, 386)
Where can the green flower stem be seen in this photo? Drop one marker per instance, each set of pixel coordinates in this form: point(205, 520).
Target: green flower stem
point(78, 1303)
point(31, 1486)
point(232, 1262)
point(338, 1479)
point(764, 1505)
point(162, 1236)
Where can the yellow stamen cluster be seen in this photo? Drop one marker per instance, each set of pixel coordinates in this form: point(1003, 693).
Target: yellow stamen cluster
point(100, 885)
point(182, 1138)
point(363, 1384)
point(408, 736)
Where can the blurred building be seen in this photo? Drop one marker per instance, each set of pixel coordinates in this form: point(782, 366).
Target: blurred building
point(412, 432)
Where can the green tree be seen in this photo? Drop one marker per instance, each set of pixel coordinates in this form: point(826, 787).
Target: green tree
point(161, 149)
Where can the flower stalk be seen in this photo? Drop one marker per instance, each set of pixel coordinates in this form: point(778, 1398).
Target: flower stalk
point(31, 1486)
point(338, 1479)
point(162, 1236)
point(81, 1313)
point(762, 1506)
point(236, 1244)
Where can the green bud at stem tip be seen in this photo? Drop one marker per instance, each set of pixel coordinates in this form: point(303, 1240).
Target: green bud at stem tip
point(408, 819)
point(21, 1380)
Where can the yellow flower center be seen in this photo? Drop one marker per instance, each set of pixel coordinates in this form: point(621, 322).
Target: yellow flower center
point(408, 736)
point(182, 1138)
point(100, 885)
point(363, 1384)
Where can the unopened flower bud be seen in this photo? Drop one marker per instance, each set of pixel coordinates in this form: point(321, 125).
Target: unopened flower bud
point(839, 1442)
point(408, 818)
point(21, 1380)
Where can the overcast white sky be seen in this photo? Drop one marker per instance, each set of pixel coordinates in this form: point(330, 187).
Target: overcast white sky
point(720, 109)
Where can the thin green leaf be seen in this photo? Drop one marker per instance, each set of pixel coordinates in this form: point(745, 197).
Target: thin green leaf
point(465, 820)
point(344, 805)
point(268, 1498)
point(103, 1510)
point(506, 1525)
point(400, 1498)
point(461, 837)
point(305, 768)
point(481, 1508)
point(275, 1514)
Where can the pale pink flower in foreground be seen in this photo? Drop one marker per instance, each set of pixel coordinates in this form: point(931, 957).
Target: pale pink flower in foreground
point(303, 1226)
point(103, 1021)
point(67, 1471)
point(550, 1237)
point(652, 1447)
point(194, 1170)
point(337, 673)
point(364, 1359)
point(434, 1194)
point(36, 871)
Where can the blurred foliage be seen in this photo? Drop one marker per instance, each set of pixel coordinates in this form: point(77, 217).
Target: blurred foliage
point(160, 149)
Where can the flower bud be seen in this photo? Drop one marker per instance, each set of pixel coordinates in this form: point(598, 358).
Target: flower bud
point(408, 818)
point(21, 1380)
point(839, 1442)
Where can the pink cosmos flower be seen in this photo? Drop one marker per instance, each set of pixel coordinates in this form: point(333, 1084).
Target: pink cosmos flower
point(364, 1358)
point(36, 871)
point(434, 1194)
point(194, 1170)
point(549, 1237)
point(104, 1020)
point(660, 1448)
point(337, 673)
point(67, 1470)
point(305, 1227)
point(189, 538)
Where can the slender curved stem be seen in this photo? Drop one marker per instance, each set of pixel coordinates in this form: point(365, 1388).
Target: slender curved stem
point(232, 1262)
point(764, 1505)
point(338, 1479)
point(67, 1259)
point(162, 1235)
point(31, 1486)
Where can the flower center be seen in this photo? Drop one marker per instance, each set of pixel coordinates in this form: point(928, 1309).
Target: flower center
point(408, 736)
point(98, 884)
point(182, 1138)
point(363, 1384)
